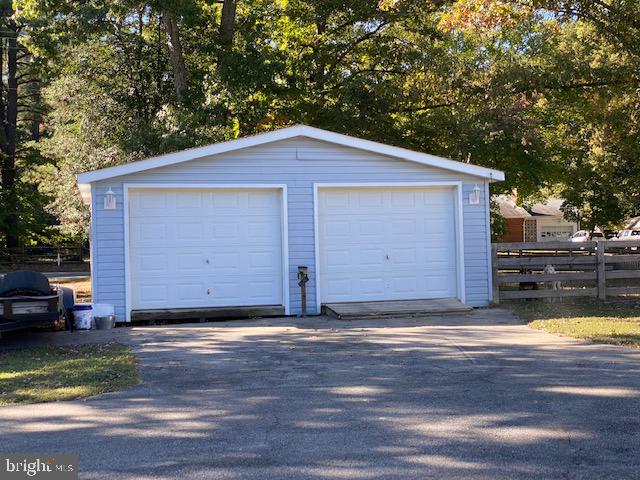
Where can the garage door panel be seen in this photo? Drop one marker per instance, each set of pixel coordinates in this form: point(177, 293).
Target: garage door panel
point(150, 231)
point(224, 201)
point(154, 292)
point(400, 198)
point(149, 262)
point(369, 257)
point(261, 230)
point(369, 227)
point(344, 260)
point(262, 203)
point(369, 199)
point(262, 261)
point(370, 285)
point(189, 231)
point(407, 255)
point(386, 243)
point(189, 262)
point(405, 284)
point(186, 202)
point(190, 292)
point(225, 229)
point(210, 248)
point(404, 227)
point(336, 258)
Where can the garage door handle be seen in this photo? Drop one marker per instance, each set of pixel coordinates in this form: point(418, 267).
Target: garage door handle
point(208, 291)
point(387, 257)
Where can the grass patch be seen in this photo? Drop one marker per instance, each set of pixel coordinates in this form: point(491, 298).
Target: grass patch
point(51, 374)
point(82, 287)
point(615, 322)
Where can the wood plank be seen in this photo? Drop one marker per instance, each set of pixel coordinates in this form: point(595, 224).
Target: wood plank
point(576, 292)
point(541, 277)
point(613, 274)
point(622, 243)
point(431, 306)
point(600, 270)
point(527, 262)
point(559, 245)
point(217, 313)
point(629, 258)
point(494, 275)
point(613, 291)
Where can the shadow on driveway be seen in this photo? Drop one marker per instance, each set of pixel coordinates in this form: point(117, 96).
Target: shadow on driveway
point(478, 396)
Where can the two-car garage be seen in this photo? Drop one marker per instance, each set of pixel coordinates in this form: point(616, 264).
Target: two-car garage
point(228, 225)
point(199, 247)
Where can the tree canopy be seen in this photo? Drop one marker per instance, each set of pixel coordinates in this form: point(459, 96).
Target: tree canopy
point(547, 91)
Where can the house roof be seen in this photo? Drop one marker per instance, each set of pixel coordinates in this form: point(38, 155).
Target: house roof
point(550, 207)
point(508, 208)
point(84, 179)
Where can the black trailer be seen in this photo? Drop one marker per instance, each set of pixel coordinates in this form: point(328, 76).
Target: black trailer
point(28, 300)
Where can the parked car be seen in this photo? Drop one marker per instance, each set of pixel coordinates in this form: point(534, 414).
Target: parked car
point(587, 236)
point(627, 235)
point(28, 300)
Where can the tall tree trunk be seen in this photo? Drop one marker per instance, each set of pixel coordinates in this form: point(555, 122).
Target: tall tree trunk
point(175, 55)
point(8, 142)
point(227, 23)
point(36, 120)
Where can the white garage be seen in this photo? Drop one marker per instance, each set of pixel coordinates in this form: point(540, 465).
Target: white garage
point(226, 229)
point(205, 247)
point(384, 242)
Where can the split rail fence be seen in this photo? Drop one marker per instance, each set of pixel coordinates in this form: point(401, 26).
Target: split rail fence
point(56, 255)
point(588, 269)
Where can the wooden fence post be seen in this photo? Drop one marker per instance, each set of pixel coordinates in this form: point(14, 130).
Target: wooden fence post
point(600, 269)
point(494, 274)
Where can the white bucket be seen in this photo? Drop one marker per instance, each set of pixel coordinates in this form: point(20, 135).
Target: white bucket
point(83, 316)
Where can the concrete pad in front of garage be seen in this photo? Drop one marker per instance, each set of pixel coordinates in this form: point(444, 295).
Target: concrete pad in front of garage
point(475, 396)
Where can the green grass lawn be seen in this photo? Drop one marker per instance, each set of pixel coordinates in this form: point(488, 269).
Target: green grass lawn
point(49, 374)
point(613, 321)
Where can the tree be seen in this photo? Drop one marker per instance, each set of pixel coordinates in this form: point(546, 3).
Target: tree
point(545, 91)
point(20, 117)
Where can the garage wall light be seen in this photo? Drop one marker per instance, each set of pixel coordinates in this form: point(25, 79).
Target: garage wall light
point(109, 200)
point(474, 196)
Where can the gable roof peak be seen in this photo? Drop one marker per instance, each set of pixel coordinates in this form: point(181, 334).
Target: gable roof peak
point(284, 134)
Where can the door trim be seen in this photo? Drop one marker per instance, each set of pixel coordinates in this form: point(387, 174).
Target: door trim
point(284, 221)
point(458, 223)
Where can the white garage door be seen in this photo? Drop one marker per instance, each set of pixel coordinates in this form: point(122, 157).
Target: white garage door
point(386, 243)
point(205, 248)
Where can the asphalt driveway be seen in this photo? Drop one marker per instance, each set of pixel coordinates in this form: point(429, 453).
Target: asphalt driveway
point(477, 396)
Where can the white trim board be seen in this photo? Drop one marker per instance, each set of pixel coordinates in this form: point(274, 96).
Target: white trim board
point(487, 206)
point(93, 265)
point(459, 223)
point(206, 186)
point(284, 134)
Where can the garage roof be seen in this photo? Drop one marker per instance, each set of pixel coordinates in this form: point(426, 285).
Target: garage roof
point(84, 179)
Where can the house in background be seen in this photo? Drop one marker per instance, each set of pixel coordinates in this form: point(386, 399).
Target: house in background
point(542, 222)
point(515, 218)
point(550, 221)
